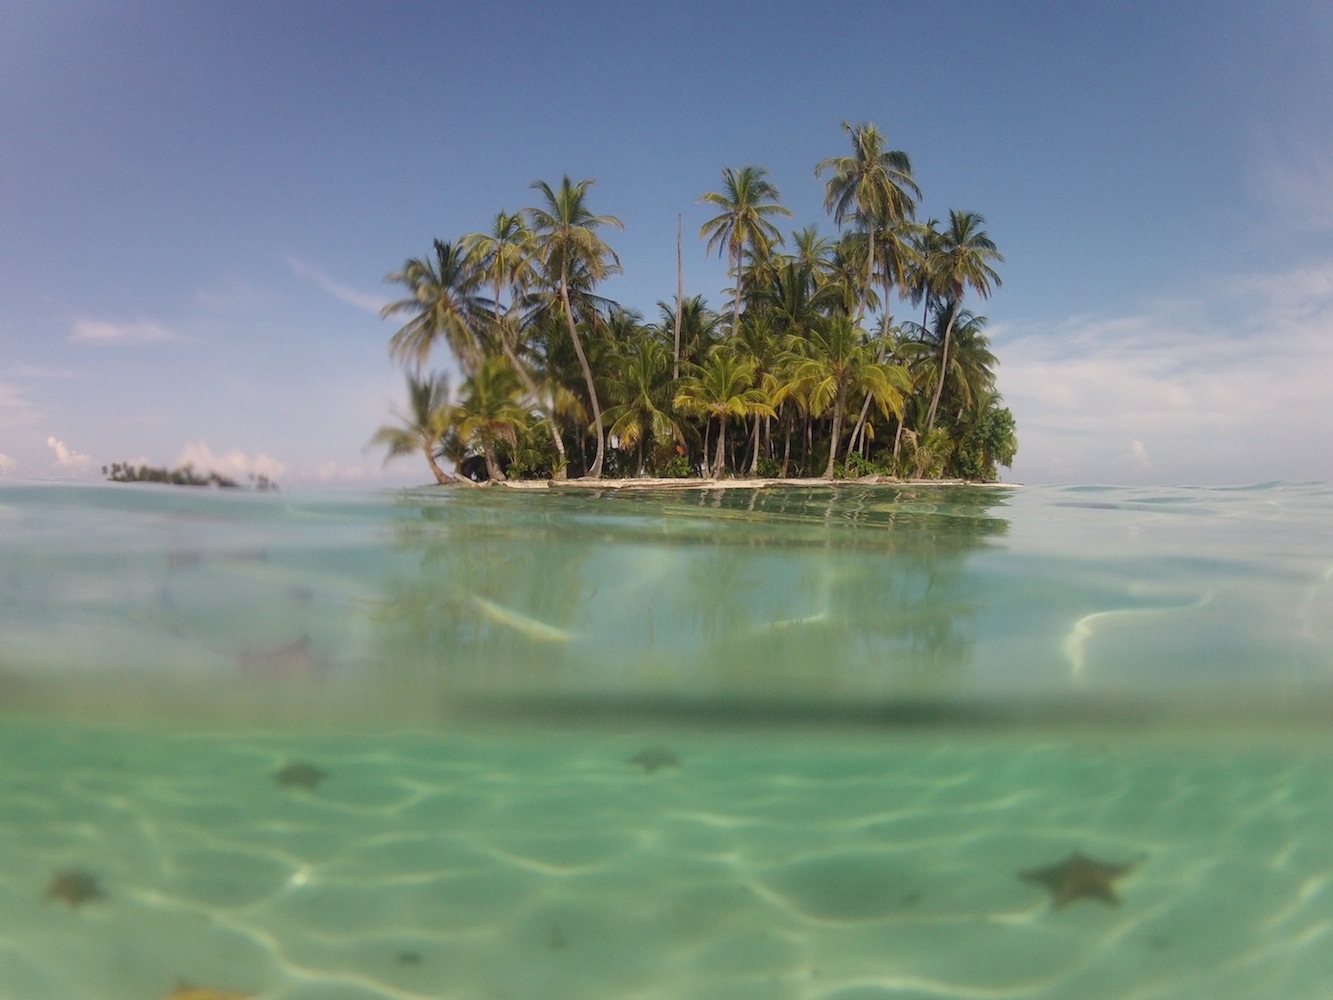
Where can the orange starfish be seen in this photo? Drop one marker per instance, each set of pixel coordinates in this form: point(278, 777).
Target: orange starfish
point(184, 991)
point(74, 887)
point(1079, 877)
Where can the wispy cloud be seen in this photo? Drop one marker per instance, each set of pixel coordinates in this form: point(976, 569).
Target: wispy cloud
point(334, 472)
point(67, 458)
point(15, 409)
point(1298, 181)
point(96, 331)
point(1246, 400)
point(7, 465)
point(234, 296)
point(343, 293)
point(43, 372)
point(231, 463)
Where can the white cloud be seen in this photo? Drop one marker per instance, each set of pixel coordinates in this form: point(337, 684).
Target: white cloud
point(343, 293)
point(234, 463)
point(67, 458)
point(95, 331)
point(1242, 403)
point(7, 465)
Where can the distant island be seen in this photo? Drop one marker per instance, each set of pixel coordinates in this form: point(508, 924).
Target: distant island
point(125, 472)
point(804, 373)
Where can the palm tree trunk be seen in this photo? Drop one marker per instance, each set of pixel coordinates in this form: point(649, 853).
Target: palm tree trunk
point(859, 430)
point(944, 367)
point(680, 296)
point(754, 461)
point(720, 462)
point(786, 446)
point(596, 471)
point(870, 274)
point(493, 470)
point(837, 432)
point(736, 306)
point(441, 477)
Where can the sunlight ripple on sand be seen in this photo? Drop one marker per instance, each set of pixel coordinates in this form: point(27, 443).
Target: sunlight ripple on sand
point(472, 864)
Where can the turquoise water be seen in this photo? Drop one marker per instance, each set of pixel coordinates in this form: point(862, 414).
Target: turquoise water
point(781, 744)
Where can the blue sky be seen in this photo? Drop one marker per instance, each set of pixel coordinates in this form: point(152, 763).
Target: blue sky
point(198, 204)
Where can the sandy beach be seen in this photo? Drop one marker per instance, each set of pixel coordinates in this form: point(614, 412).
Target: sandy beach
point(647, 483)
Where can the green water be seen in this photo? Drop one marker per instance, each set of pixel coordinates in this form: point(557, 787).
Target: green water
point(781, 744)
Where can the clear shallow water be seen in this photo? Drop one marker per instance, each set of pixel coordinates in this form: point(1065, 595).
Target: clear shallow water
point(875, 709)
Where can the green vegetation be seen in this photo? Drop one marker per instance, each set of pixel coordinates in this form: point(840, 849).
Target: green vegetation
point(804, 372)
point(124, 472)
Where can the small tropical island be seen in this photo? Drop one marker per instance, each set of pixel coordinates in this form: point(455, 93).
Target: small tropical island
point(805, 373)
point(186, 475)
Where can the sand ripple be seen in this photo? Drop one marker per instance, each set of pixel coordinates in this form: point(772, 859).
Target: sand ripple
point(521, 864)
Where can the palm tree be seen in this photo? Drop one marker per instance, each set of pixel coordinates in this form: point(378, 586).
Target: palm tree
point(489, 412)
point(813, 252)
point(503, 256)
point(896, 257)
point(722, 387)
point(988, 438)
point(851, 255)
point(797, 300)
point(698, 327)
point(566, 245)
point(555, 368)
point(837, 362)
point(432, 417)
point(747, 200)
point(971, 363)
point(797, 303)
point(880, 349)
point(925, 250)
point(873, 185)
point(963, 258)
point(760, 343)
point(443, 302)
point(640, 375)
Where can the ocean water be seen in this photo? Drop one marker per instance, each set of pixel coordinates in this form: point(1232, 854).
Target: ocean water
point(800, 744)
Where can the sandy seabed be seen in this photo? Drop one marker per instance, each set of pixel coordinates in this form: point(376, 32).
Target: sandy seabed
point(522, 863)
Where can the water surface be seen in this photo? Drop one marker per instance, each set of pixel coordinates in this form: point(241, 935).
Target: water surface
point(798, 743)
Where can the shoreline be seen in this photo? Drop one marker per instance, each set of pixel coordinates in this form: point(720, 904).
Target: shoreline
point(647, 483)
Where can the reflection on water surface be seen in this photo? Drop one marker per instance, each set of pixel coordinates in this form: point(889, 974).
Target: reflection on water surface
point(966, 600)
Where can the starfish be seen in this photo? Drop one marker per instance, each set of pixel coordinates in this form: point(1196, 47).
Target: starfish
point(184, 991)
point(654, 757)
point(296, 661)
point(300, 775)
point(74, 887)
point(1079, 877)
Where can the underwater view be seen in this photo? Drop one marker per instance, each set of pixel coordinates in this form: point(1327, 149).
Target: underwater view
point(848, 742)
